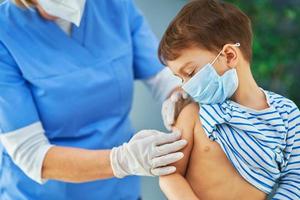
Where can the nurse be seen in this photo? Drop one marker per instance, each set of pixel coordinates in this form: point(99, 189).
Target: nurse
point(66, 84)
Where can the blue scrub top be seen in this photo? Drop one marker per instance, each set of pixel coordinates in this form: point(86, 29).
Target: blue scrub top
point(80, 88)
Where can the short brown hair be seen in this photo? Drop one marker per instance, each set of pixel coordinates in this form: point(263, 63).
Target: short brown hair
point(207, 24)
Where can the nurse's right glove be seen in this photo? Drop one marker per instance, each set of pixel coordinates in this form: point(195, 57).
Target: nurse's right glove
point(148, 153)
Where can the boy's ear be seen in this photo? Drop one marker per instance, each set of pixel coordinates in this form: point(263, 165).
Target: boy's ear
point(231, 55)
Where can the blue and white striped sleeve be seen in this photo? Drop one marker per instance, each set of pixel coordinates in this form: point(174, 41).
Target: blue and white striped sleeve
point(289, 183)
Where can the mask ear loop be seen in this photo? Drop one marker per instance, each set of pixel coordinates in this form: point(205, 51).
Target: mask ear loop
point(234, 45)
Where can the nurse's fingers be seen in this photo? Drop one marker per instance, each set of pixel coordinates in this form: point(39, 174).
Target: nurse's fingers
point(175, 97)
point(168, 113)
point(164, 138)
point(163, 171)
point(185, 95)
point(168, 121)
point(166, 160)
point(145, 133)
point(170, 148)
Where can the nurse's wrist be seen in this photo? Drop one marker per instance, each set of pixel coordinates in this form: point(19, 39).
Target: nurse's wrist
point(116, 167)
point(105, 163)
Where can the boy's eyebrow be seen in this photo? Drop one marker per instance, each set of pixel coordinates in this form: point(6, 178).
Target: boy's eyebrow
point(181, 68)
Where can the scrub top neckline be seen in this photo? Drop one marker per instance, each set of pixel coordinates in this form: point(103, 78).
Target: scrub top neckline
point(77, 34)
point(76, 38)
point(65, 26)
point(55, 35)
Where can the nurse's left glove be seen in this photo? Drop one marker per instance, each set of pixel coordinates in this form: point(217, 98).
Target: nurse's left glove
point(172, 107)
point(148, 153)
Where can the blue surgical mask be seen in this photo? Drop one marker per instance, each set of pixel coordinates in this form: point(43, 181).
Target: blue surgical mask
point(208, 87)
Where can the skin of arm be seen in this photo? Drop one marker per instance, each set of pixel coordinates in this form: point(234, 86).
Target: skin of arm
point(76, 165)
point(175, 186)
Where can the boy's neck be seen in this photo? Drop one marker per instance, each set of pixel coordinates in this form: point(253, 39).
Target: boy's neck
point(248, 93)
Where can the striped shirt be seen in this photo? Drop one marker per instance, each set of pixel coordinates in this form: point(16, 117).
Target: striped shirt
point(263, 146)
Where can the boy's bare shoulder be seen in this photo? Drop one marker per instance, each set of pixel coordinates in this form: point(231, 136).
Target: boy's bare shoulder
point(189, 114)
point(191, 109)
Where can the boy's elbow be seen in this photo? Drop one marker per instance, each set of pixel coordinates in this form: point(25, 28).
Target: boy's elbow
point(161, 182)
point(166, 181)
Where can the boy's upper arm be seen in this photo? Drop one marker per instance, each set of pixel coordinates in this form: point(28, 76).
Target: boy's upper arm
point(186, 122)
point(173, 183)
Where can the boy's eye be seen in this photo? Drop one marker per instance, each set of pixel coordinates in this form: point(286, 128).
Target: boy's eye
point(191, 74)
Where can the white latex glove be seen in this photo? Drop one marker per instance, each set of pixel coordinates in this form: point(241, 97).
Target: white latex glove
point(172, 107)
point(148, 153)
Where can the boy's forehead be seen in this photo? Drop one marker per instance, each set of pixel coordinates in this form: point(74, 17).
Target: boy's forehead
point(175, 65)
point(187, 57)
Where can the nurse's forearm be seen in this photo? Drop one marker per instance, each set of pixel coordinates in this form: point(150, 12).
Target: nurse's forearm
point(76, 165)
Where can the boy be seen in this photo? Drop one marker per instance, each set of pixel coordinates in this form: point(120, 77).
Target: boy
point(242, 139)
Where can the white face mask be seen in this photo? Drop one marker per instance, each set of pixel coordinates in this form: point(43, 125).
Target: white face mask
point(69, 10)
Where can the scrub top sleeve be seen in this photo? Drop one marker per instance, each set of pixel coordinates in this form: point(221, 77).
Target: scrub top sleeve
point(145, 44)
point(17, 108)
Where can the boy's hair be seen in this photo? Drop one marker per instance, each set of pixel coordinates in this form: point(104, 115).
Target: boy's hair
point(207, 24)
